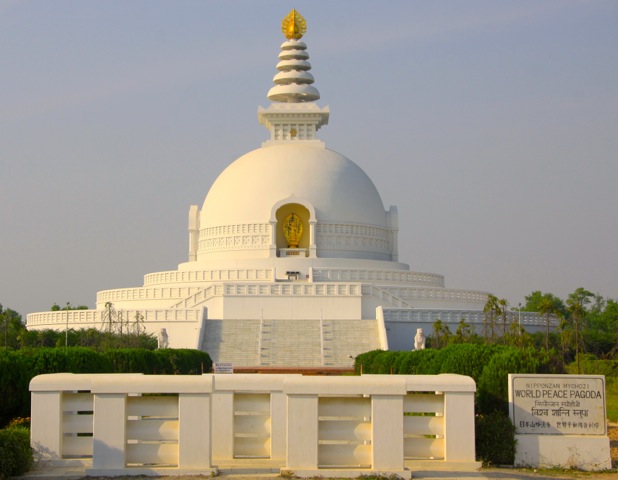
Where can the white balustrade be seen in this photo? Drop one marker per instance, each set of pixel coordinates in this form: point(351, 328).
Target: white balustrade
point(373, 275)
point(201, 276)
point(473, 317)
point(93, 318)
point(133, 424)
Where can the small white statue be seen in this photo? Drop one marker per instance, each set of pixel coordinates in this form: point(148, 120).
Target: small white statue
point(419, 340)
point(162, 339)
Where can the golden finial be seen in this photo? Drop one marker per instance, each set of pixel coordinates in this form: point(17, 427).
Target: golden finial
point(294, 25)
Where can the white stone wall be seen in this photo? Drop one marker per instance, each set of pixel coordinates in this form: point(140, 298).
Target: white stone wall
point(134, 424)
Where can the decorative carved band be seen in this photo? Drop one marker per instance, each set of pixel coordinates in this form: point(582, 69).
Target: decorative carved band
point(359, 238)
point(248, 236)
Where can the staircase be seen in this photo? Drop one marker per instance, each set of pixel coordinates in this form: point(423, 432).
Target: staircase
point(232, 341)
point(289, 343)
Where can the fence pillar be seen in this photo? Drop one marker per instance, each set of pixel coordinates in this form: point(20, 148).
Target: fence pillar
point(46, 430)
point(459, 427)
point(302, 453)
point(387, 432)
point(278, 435)
point(110, 427)
point(194, 447)
point(223, 425)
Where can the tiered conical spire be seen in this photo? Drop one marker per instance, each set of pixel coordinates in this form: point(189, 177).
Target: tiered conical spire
point(293, 82)
point(294, 117)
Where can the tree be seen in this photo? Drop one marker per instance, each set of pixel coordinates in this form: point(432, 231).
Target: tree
point(534, 300)
point(489, 319)
point(576, 303)
point(11, 328)
point(441, 334)
point(607, 319)
point(56, 308)
point(548, 308)
point(503, 312)
point(464, 333)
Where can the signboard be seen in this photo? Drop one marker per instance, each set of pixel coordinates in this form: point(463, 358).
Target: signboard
point(224, 367)
point(558, 404)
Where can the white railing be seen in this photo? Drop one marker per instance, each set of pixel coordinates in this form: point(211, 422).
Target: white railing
point(79, 318)
point(293, 289)
point(385, 295)
point(202, 295)
point(370, 275)
point(473, 317)
point(382, 336)
point(134, 424)
point(199, 276)
point(446, 294)
point(143, 293)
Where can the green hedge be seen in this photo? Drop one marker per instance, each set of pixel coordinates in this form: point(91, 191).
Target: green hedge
point(494, 439)
point(18, 367)
point(15, 452)
point(492, 386)
point(488, 365)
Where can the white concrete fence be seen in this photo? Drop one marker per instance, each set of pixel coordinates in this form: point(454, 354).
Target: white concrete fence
point(133, 424)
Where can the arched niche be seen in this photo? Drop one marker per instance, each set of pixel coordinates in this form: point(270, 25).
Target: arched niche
point(282, 214)
point(306, 213)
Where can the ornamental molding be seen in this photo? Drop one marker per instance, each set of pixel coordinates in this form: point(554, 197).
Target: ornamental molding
point(250, 236)
point(347, 237)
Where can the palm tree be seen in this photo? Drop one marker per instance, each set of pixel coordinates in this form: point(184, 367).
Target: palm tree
point(549, 310)
point(441, 334)
point(576, 304)
point(490, 310)
point(503, 311)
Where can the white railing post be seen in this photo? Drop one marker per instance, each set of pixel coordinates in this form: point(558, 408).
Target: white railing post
point(302, 432)
point(223, 424)
point(195, 433)
point(110, 423)
point(459, 427)
point(46, 424)
point(387, 431)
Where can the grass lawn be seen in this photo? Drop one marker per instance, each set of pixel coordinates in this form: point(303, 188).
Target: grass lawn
point(611, 391)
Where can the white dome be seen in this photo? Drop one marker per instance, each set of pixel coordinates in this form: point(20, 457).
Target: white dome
point(338, 189)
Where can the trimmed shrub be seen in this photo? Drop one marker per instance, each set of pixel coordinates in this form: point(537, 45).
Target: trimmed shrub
point(488, 365)
point(467, 359)
point(384, 363)
point(129, 360)
point(492, 386)
point(182, 361)
point(495, 439)
point(15, 452)
point(363, 363)
point(14, 380)
point(64, 359)
point(17, 368)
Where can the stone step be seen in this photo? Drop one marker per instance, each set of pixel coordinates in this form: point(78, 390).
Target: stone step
point(289, 342)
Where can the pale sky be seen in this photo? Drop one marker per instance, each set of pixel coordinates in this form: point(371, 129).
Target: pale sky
point(492, 125)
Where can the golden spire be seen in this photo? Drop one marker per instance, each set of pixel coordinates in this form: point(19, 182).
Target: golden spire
point(294, 25)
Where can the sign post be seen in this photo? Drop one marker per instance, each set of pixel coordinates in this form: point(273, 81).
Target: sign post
point(560, 421)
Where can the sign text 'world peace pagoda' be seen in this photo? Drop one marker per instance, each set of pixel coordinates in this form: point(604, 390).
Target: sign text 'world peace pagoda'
point(558, 404)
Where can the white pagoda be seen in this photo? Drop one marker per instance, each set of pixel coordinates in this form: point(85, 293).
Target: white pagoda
point(293, 259)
